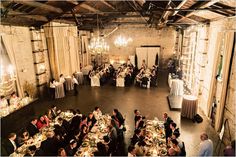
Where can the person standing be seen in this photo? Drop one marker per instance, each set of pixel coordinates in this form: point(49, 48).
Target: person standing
point(206, 146)
point(75, 82)
point(9, 144)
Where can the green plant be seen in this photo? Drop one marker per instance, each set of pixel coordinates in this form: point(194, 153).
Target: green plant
point(30, 89)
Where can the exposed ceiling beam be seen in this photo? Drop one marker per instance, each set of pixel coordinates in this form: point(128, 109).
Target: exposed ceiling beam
point(221, 13)
point(184, 17)
point(107, 4)
point(88, 7)
point(165, 14)
point(40, 5)
point(203, 6)
point(179, 6)
point(35, 17)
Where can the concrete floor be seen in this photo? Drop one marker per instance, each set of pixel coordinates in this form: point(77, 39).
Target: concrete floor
point(151, 102)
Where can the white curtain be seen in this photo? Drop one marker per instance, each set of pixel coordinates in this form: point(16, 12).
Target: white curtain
point(7, 41)
point(152, 52)
point(141, 55)
point(63, 49)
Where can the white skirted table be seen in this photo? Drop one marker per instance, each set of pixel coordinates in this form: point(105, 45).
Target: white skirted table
point(59, 90)
point(189, 106)
point(79, 76)
point(95, 81)
point(177, 87)
point(69, 83)
point(120, 82)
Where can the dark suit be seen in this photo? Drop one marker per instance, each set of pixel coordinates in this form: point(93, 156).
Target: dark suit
point(9, 147)
point(32, 129)
point(49, 147)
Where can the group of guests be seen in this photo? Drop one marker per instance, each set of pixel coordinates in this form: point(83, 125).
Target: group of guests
point(67, 137)
point(126, 71)
point(173, 68)
point(174, 145)
point(104, 73)
point(53, 83)
point(146, 75)
point(14, 100)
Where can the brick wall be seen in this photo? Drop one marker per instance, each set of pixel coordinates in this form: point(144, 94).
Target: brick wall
point(143, 36)
point(22, 48)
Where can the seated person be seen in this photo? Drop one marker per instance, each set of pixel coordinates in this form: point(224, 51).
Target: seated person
point(41, 123)
point(23, 137)
point(9, 144)
point(62, 152)
point(175, 146)
point(131, 151)
point(101, 150)
point(54, 111)
point(32, 127)
point(136, 137)
point(172, 152)
point(14, 100)
point(140, 148)
point(173, 128)
point(144, 65)
point(71, 148)
point(50, 146)
point(31, 151)
point(83, 121)
point(83, 134)
point(91, 120)
point(97, 113)
point(27, 99)
point(137, 115)
point(3, 102)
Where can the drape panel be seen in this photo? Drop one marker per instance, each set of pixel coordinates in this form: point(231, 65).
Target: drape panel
point(63, 49)
point(141, 55)
point(226, 60)
point(152, 52)
point(7, 41)
point(148, 54)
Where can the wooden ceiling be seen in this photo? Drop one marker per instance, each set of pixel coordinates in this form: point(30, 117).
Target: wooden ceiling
point(88, 14)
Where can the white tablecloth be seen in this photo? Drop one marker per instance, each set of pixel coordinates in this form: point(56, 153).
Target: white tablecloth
point(120, 82)
point(79, 76)
point(69, 83)
point(59, 91)
point(95, 81)
point(169, 80)
point(177, 87)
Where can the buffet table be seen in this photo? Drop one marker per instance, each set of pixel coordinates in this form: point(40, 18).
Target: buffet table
point(189, 106)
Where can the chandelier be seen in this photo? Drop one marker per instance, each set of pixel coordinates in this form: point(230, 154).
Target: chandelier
point(97, 44)
point(122, 41)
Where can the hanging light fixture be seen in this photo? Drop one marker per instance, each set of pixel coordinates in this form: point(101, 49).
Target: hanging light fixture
point(97, 44)
point(122, 41)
